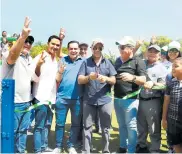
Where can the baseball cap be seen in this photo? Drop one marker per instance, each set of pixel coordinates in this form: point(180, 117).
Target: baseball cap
point(96, 41)
point(126, 40)
point(155, 47)
point(30, 39)
point(165, 48)
point(174, 45)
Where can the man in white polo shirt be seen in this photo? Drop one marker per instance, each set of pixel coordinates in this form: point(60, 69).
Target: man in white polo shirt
point(15, 65)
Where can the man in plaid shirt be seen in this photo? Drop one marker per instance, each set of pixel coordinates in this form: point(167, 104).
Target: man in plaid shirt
point(172, 109)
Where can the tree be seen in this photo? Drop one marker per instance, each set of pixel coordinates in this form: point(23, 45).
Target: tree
point(110, 56)
point(39, 47)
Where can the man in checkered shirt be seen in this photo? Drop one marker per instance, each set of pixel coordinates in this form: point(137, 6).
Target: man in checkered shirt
point(172, 109)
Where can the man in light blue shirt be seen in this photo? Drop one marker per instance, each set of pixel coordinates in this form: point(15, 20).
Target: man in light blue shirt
point(68, 97)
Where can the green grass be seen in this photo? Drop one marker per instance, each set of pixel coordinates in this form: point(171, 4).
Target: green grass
point(97, 143)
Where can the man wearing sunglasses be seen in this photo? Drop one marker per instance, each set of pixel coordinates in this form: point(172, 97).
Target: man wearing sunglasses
point(130, 75)
point(15, 66)
point(98, 75)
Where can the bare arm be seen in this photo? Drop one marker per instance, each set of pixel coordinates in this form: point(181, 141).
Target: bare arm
point(17, 47)
point(140, 80)
point(165, 109)
point(83, 79)
point(111, 80)
point(39, 64)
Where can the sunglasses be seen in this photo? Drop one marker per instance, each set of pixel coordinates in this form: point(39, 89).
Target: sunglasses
point(122, 47)
point(173, 51)
point(29, 41)
point(95, 48)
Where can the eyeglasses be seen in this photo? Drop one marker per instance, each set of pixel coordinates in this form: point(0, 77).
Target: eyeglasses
point(95, 48)
point(122, 47)
point(173, 51)
point(29, 41)
point(83, 49)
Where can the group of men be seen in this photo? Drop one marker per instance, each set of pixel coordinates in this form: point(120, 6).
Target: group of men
point(83, 86)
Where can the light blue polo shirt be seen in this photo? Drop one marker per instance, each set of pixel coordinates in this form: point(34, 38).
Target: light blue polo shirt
point(69, 87)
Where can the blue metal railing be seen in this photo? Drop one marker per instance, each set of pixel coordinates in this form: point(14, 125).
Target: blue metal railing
point(7, 116)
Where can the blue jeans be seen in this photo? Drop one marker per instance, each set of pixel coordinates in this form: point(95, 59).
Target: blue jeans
point(22, 121)
point(61, 114)
point(126, 113)
point(40, 121)
point(46, 130)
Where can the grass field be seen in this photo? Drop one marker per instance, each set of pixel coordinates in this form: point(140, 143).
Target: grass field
point(114, 140)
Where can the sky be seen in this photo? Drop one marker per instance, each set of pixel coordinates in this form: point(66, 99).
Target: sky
point(85, 20)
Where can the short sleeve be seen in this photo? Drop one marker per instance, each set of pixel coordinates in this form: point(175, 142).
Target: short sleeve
point(112, 71)
point(82, 70)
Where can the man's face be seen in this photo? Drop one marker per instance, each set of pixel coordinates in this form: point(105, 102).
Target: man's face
point(27, 46)
point(4, 34)
point(73, 50)
point(177, 69)
point(53, 46)
point(153, 55)
point(125, 51)
point(97, 50)
point(83, 51)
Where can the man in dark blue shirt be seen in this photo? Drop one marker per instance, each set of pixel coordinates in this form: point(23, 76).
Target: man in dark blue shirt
point(98, 74)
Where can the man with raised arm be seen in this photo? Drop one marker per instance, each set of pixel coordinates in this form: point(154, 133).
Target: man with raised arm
point(15, 65)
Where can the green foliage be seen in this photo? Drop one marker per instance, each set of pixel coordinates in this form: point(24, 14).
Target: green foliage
point(37, 49)
point(64, 50)
point(110, 56)
point(163, 40)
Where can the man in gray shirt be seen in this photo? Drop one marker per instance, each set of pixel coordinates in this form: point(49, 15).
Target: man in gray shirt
point(15, 65)
point(150, 104)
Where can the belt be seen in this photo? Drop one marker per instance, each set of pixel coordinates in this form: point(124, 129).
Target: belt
point(147, 99)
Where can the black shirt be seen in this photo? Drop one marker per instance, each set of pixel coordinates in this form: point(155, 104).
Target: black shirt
point(134, 66)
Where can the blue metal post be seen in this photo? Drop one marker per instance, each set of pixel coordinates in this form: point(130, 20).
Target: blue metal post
point(7, 115)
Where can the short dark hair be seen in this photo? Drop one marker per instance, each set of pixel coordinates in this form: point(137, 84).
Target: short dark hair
point(3, 31)
point(167, 57)
point(53, 37)
point(83, 44)
point(70, 42)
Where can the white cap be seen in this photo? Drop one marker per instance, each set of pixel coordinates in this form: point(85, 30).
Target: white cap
point(126, 40)
point(174, 45)
point(165, 48)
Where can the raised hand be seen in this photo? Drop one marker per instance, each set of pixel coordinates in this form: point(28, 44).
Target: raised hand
point(26, 30)
point(62, 68)
point(153, 39)
point(41, 59)
point(62, 34)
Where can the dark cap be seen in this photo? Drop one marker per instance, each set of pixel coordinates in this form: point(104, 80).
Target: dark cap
point(30, 39)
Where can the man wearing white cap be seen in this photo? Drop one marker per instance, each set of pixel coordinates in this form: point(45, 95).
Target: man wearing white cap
point(130, 75)
point(98, 75)
point(150, 105)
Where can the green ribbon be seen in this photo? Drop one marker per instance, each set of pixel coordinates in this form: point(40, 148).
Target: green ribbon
point(137, 92)
point(34, 106)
